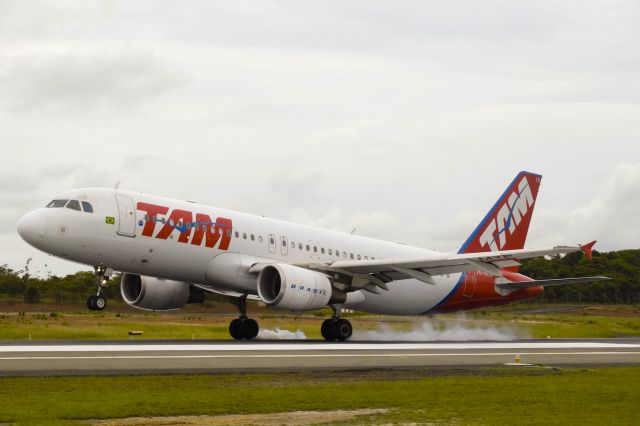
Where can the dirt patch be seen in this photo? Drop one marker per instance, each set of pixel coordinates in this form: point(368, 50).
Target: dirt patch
point(292, 418)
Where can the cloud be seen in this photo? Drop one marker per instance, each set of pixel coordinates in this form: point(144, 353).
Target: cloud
point(612, 216)
point(80, 82)
point(402, 120)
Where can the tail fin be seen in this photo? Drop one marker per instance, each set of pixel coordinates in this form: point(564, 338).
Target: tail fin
point(506, 225)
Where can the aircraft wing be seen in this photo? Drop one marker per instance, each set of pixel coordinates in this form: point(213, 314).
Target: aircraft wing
point(378, 272)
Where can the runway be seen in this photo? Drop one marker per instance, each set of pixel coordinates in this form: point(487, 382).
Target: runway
point(146, 357)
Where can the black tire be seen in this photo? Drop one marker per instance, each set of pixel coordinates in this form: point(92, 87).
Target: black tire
point(235, 329)
point(90, 303)
point(327, 330)
point(342, 329)
point(99, 303)
point(251, 328)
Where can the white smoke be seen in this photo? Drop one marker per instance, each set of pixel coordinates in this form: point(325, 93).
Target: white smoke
point(440, 330)
point(279, 334)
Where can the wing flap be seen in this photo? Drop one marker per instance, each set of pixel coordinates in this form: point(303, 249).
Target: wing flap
point(551, 282)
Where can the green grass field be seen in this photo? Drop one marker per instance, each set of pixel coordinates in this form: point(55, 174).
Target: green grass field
point(466, 396)
point(582, 322)
point(486, 396)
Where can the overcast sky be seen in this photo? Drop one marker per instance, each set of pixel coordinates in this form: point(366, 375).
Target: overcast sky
point(405, 119)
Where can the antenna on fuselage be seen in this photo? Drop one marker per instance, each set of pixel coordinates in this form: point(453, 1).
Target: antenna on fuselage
point(353, 231)
point(117, 185)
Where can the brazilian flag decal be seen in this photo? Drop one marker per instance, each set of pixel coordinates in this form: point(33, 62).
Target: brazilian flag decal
point(110, 220)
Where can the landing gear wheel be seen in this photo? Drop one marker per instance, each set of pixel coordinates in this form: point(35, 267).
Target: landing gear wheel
point(336, 328)
point(99, 303)
point(235, 329)
point(251, 328)
point(243, 328)
point(342, 329)
point(327, 330)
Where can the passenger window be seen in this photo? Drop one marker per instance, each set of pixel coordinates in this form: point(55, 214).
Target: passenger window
point(74, 205)
point(359, 258)
point(315, 249)
point(337, 253)
point(330, 252)
point(307, 247)
point(299, 246)
point(322, 250)
point(293, 245)
point(237, 234)
point(87, 207)
point(244, 235)
point(351, 256)
point(366, 258)
point(229, 233)
point(259, 238)
point(284, 242)
point(253, 237)
point(57, 203)
point(271, 241)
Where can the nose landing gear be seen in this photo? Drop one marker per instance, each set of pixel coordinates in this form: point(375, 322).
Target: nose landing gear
point(243, 327)
point(336, 328)
point(97, 302)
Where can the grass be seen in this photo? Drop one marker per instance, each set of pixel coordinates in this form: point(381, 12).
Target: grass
point(579, 322)
point(486, 396)
point(87, 326)
point(583, 322)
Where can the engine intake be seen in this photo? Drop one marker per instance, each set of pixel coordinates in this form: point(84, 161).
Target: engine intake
point(296, 289)
point(157, 294)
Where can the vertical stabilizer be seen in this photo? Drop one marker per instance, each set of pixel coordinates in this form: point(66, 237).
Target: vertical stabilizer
point(506, 224)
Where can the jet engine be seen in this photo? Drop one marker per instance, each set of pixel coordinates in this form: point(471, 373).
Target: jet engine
point(296, 289)
point(157, 294)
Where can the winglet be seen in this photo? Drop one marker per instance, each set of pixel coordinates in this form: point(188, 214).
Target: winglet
point(587, 249)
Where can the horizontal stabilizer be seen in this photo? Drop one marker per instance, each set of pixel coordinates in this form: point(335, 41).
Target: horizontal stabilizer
point(551, 282)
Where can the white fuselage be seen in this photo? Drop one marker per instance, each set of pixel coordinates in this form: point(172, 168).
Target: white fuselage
point(121, 235)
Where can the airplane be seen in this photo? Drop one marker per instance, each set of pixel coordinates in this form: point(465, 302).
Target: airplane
point(171, 253)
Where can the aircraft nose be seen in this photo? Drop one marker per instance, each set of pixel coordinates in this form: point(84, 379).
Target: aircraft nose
point(32, 227)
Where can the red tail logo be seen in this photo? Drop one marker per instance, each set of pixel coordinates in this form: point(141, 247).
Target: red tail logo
point(506, 225)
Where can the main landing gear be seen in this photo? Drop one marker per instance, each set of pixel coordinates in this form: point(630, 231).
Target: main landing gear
point(336, 328)
point(243, 327)
point(98, 302)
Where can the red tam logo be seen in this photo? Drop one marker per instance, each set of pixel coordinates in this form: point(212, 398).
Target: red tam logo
point(202, 229)
point(508, 217)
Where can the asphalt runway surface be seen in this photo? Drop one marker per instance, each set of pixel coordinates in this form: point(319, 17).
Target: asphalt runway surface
point(18, 358)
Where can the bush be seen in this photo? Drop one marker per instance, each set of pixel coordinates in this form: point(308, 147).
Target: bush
point(32, 295)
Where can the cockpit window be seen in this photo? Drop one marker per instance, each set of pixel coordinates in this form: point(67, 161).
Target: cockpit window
point(87, 207)
point(57, 203)
point(74, 205)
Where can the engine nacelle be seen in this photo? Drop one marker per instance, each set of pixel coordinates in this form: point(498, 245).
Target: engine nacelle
point(293, 288)
point(157, 294)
